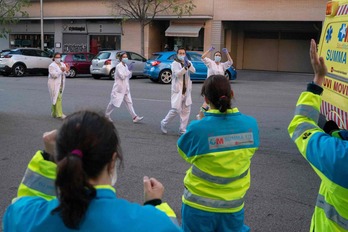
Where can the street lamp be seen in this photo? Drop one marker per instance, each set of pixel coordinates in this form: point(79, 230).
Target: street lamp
point(41, 22)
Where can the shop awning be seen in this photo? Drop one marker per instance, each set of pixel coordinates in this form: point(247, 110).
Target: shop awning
point(183, 30)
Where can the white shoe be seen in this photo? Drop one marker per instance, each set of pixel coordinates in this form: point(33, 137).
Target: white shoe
point(108, 118)
point(163, 128)
point(63, 116)
point(137, 119)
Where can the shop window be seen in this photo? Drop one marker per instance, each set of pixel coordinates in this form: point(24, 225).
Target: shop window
point(104, 42)
point(31, 41)
point(189, 43)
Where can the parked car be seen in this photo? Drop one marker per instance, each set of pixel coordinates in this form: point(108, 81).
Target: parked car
point(20, 61)
point(79, 62)
point(104, 63)
point(158, 69)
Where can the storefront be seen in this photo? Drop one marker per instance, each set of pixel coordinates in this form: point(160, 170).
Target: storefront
point(67, 35)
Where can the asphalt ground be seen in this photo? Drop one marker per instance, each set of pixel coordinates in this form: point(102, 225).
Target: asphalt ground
point(283, 185)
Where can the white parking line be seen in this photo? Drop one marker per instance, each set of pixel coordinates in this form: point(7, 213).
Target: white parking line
point(154, 100)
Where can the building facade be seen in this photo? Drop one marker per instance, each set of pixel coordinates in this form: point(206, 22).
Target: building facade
point(260, 35)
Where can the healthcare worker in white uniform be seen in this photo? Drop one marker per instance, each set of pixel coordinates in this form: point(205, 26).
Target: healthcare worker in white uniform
point(215, 67)
point(121, 91)
point(57, 72)
point(180, 92)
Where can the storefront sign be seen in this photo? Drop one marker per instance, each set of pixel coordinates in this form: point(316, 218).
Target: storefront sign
point(74, 28)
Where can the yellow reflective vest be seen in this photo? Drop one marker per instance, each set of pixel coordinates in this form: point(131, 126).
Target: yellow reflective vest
point(328, 156)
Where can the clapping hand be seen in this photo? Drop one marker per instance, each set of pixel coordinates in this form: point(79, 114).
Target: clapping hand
point(131, 66)
point(186, 62)
point(318, 64)
point(224, 50)
point(153, 189)
point(211, 48)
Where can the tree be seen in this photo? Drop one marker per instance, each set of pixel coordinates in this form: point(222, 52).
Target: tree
point(144, 11)
point(10, 10)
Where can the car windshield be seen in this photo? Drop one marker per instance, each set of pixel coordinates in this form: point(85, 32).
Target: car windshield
point(103, 55)
point(2, 54)
point(155, 56)
point(63, 57)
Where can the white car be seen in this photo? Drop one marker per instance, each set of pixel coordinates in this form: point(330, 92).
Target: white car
point(104, 63)
point(20, 61)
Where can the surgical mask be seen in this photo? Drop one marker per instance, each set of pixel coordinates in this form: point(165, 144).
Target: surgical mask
point(114, 176)
point(217, 58)
point(124, 60)
point(181, 57)
point(57, 60)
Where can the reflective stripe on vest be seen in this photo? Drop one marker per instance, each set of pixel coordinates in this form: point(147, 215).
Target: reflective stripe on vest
point(211, 202)
point(302, 128)
point(331, 213)
point(307, 111)
point(216, 179)
point(39, 183)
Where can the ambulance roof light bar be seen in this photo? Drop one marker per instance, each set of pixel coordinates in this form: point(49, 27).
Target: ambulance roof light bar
point(331, 8)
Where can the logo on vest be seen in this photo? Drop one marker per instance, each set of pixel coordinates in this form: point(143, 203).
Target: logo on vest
point(231, 140)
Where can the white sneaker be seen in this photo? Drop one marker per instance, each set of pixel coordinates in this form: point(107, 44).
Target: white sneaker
point(63, 116)
point(109, 118)
point(163, 128)
point(137, 119)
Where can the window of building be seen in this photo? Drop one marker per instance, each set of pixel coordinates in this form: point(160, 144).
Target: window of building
point(31, 41)
point(189, 43)
point(104, 42)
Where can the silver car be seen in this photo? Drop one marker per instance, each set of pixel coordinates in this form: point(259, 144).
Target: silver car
point(104, 63)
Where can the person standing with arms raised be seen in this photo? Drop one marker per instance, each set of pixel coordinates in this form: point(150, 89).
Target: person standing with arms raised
point(214, 67)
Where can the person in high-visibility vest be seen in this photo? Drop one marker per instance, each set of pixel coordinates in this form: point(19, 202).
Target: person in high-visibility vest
point(219, 147)
point(326, 153)
point(72, 190)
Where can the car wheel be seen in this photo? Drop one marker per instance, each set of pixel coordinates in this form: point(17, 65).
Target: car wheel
point(18, 70)
point(165, 76)
point(112, 74)
point(228, 75)
point(72, 73)
point(97, 77)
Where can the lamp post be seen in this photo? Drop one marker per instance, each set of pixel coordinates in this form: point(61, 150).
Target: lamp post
point(41, 24)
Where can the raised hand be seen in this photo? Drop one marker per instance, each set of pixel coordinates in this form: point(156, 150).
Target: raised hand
point(224, 50)
point(211, 48)
point(186, 62)
point(318, 64)
point(131, 66)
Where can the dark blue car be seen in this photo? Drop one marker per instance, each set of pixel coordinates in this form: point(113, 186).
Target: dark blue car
point(158, 69)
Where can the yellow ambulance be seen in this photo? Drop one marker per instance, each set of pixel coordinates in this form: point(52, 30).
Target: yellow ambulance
point(333, 47)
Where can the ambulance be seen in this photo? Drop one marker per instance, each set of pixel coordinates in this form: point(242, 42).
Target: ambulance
point(333, 47)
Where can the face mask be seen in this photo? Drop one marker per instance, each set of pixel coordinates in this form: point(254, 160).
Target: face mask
point(181, 57)
point(57, 60)
point(217, 58)
point(114, 176)
point(124, 60)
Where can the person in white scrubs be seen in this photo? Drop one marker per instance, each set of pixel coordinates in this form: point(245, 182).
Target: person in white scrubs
point(58, 71)
point(121, 91)
point(180, 92)
point(215, 67)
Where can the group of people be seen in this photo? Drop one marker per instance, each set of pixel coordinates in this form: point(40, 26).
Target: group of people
point(69, 184)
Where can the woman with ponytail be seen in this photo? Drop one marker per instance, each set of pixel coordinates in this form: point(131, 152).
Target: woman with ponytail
point(69, 185)
point(219, 148)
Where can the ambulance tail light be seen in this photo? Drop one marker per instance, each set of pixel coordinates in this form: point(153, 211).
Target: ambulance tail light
point(331, 8)
point(155, 63)
point(107, 62)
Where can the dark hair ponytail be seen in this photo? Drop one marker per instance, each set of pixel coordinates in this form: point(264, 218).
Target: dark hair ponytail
point(85, 145)
point(74, 193)
point(218, 91)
